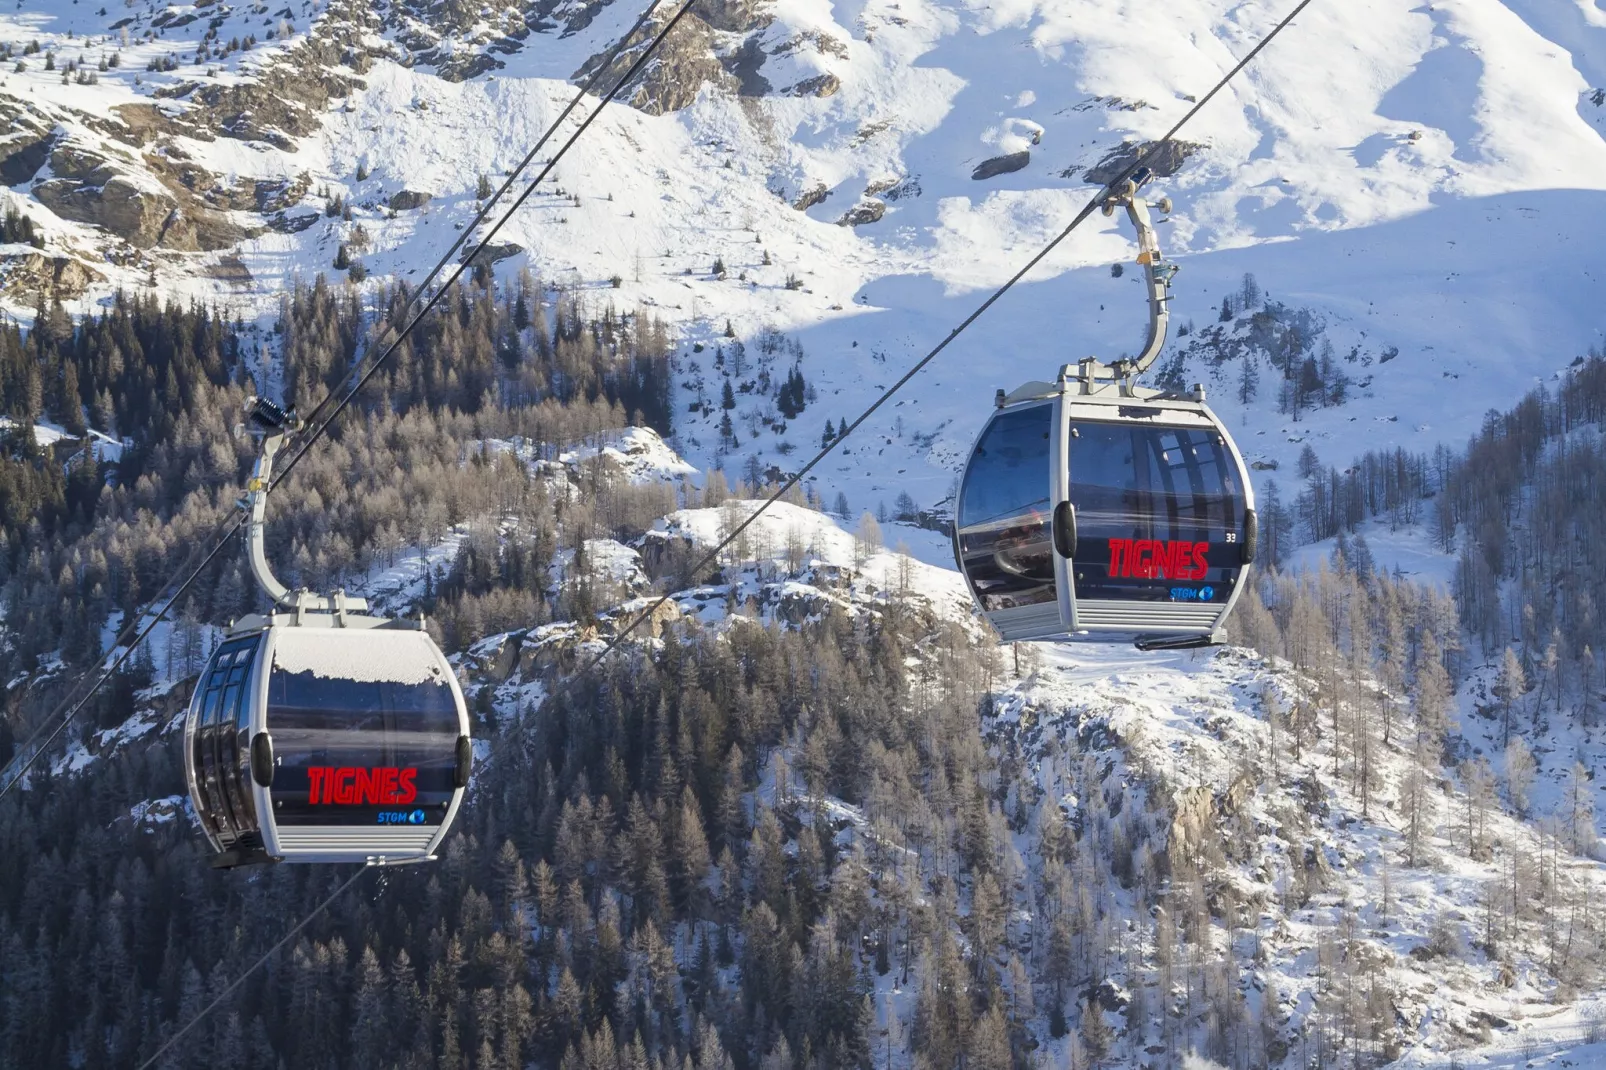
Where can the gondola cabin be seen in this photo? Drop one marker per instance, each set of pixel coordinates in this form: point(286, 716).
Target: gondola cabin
point(1096, 510)
point(337, 739)
point(318, 733)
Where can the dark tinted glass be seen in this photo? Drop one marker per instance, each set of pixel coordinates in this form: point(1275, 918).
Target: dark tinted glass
point(222, 705)
point(1005, 545)
point(1159, 513)
point(352, 752)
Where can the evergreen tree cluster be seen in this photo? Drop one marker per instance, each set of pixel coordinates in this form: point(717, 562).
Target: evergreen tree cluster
point(1254, 330)
point(16, 227)
point(618, 892)
point(790, 398)
point(84, 544)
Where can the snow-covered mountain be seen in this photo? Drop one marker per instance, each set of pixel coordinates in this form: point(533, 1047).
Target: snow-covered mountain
point(1427, 181)
point(1420, 190)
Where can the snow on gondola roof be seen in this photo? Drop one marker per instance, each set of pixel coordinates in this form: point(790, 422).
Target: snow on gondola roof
point(366, 655)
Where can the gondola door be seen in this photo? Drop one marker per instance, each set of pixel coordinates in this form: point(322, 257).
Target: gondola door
point(1160, 516)
point(1004, 537)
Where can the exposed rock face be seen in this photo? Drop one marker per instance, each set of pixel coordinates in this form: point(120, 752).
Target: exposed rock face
point(811, 196)
point(1195, 811)
point(821, 85)
point(138, 216)
point(683, 64)
point(866, 211)
point(735, 16)
point(1167, 162)
point(408, 199)
point(90, 187)
point(1002, 165)
point(25, 145)
point(492, 253)
point(25, 275)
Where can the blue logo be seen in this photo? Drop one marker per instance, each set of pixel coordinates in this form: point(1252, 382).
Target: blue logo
point(1192, 594)
point(1206, 593)
point(402, 817)
point(416, 817)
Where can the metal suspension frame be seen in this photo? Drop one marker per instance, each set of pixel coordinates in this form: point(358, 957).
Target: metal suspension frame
point(273, 424)
point(1092, 376)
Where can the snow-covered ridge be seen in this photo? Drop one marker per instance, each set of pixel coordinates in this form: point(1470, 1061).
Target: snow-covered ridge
point(1427, 182)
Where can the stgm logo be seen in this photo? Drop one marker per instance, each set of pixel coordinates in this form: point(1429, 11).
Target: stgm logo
point(1153, 559)
point(353, 785)
point(402, 817)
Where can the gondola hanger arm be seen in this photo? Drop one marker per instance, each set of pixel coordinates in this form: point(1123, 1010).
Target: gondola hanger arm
point(1158, 273)
point(273, 423)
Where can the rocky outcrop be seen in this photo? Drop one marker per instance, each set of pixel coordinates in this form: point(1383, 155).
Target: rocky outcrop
point(1001, 165)
point(138, 216)
point(408, 199)
point(821, 85)
point(493, 253)
point(24, 146)
point(1167, 162)
point(811, 196)
point(90, 187)
point(869, 210)
point(735, 16)
point(25, 275)
point(683, 64)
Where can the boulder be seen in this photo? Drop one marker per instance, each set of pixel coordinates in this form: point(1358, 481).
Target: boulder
point(1002, 165)
point(493, 253)
point(868, 210)
point(407, 200)
point(811, 196)
point(821, 85)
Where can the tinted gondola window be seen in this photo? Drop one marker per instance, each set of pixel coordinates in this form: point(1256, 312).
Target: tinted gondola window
point(220, 705)
point(1158, 513)
point(361, 752)
point(1005, 543)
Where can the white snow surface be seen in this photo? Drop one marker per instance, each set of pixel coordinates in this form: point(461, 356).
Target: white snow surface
point(638, 452)
point(1431, 179)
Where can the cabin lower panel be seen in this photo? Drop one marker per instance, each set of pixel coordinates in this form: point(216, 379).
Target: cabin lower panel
point(355, 844)
point(1028, 622)
point(1149, 617)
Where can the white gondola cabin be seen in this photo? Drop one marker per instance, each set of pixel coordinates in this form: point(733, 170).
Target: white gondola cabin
point(321, 734)
point(1094, 508)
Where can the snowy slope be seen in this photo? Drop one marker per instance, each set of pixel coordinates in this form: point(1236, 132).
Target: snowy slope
point(1424, 179)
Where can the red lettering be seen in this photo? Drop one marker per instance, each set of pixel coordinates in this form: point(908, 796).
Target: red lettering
point(351, 785)
point(1118, 557)
point(1166, 562)
point(1151, 559)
